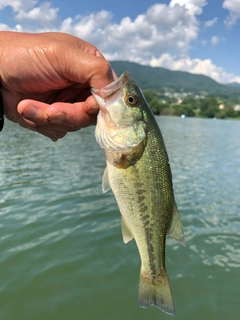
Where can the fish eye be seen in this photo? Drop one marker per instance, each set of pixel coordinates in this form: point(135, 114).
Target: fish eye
point(131, 99)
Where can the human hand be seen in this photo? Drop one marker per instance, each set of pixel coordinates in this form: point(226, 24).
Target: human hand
point(46, 80)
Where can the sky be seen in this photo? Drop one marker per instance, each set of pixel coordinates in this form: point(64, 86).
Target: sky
point(197, 36)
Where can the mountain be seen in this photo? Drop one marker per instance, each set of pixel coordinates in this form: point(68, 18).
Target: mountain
point(161, 79)
point(234, 84)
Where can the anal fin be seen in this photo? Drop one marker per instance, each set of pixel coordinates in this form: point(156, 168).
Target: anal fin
point(176, 228)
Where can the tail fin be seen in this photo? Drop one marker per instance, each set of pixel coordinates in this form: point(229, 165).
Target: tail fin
point(155, 292)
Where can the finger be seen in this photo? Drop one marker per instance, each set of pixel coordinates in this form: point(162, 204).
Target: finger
point(59, 116)
point(114, 75)
point(82, 67)
point(54, 135)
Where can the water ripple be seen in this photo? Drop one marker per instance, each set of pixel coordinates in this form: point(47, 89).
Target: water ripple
point(61, 248)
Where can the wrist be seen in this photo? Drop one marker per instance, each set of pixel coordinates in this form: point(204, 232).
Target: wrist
point(1, 113)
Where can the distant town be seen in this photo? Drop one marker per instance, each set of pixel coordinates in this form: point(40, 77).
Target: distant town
point(192, 105)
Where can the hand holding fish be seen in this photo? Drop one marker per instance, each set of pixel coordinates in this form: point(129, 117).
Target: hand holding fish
point(46, 80)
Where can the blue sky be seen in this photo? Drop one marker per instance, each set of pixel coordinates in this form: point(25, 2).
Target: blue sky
point(198, 36)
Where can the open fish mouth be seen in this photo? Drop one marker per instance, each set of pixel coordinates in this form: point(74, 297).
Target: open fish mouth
point(119, 126)
point(112, 87)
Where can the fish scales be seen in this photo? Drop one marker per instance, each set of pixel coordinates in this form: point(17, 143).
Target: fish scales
point(139, 174)
point(143, 197)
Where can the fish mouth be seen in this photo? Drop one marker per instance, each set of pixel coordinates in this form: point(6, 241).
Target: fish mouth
point(112, 87)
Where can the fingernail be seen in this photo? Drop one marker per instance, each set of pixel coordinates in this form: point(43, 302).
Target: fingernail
point(94, 110)
point(30, 112)
point(58, 118)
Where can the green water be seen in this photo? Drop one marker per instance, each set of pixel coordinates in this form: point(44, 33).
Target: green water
point(61, 250)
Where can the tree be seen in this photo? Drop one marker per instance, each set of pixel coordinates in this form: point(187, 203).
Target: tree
point(208, 107)
point(154, 101)
point(185, 109)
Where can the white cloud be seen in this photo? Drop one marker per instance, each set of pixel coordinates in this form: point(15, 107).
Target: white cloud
point(3, 27)
point(214, 40)
point(194, 7)
point(210, 23)
point(31, 17)
point(234, 11)
point(17, 5)
point(161, 37)
point(195, 66)
point(162, 28)
point(42, 13)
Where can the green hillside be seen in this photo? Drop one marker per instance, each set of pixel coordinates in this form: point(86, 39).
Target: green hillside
point(163, 80)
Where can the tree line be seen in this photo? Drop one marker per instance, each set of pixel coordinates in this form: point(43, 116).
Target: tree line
point(191, 106)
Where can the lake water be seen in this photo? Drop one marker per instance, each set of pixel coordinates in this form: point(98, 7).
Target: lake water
point(61, 249)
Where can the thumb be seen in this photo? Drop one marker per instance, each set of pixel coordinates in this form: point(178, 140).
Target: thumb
point(85, 68)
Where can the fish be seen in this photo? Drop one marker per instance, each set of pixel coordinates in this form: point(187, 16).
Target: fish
point(139, 174)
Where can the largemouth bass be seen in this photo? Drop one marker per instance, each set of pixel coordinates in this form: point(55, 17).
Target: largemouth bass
point(139, 174)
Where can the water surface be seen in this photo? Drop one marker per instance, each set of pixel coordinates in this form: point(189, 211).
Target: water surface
point(61, 250)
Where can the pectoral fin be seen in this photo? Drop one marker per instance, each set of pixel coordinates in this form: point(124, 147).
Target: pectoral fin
point(127, 235)
point(176, 228)
point(105, 181)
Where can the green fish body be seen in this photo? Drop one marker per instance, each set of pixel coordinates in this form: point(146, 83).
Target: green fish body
point(139, 174)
